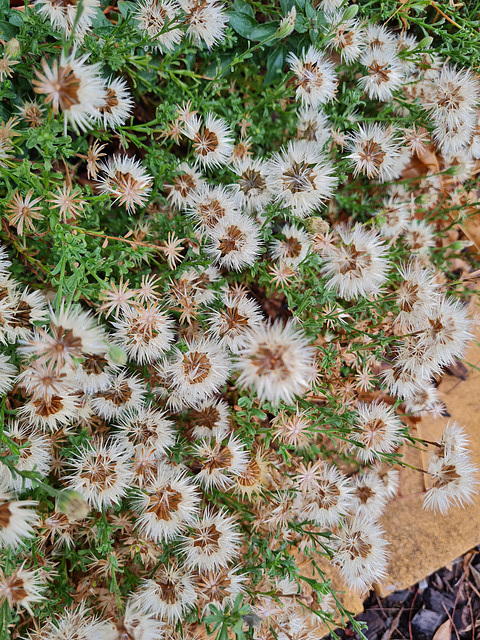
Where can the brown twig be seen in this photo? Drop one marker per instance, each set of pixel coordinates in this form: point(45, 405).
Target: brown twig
point(450, 617)
point(410, 634)
point(136, 243)
point(434, 4)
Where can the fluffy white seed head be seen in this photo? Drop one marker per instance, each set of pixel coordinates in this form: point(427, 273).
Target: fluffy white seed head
point(144, 333)
point(211, 419)
point(125, 393)
point(74, 88)
point(101, 472)
point(277, 362)
point(148, 426)
point(213, 541)
point(369, 496)
point(375, 152)
point(301, 178)
point(7, 374)
point(455, 95)
point(396, 214)
point(454, 481)
point(212, 140)
point(159, 21)
point(17, 520)
point(316, 80)
point(384, 74)
point(447, 331)
point(378, 429)
point(166, 505)
point(293, 249)
point(419, 237)
point(210, 204)
point(169, 595)
point(184, 184)
point(199, 372)
point(62, 15)
point(379, 37)
point(75, 622)
point(220, 461)
point(329, 500)
point(416, 293)
point(126, 180)
point(314, 126)
point(72, 334)
point(118, 105)
point(355, 265)
point(206, 21)
point(235, 242)
point(346, 36)
point(252, 189)
point(21, 588)
point(230, 325)
point(360, 553)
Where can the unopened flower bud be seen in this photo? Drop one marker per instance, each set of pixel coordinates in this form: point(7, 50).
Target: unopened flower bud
point(287, 25)
point(350, 12)
point(72, 505)
point(317, 225)
point(117, 355)
point(12, 48)
point(425, 42)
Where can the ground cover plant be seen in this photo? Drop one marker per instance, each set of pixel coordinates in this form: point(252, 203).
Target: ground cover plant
point(233, 268)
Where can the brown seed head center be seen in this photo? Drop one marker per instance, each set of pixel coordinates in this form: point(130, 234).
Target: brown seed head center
point(251, 180)
point(164, 502)
point(118, 395)
point(269, 359)
point(196, 366)
point(207, 537)
point(206, 142)
point(111, 101)
point(300, 177)
point(232, 241)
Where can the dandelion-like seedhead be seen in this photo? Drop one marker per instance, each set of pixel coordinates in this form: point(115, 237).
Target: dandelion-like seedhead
point(233, 269)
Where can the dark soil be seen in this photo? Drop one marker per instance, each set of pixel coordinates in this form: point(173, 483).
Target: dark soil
point(451, 593)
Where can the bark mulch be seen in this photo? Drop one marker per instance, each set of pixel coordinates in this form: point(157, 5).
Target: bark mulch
point(444, 606)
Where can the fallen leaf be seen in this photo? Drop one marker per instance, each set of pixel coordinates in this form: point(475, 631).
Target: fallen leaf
point(444, 631)
point(475, 575)
point(388, 633)
point(458, 369)
point(467, 560)
point(429, 159)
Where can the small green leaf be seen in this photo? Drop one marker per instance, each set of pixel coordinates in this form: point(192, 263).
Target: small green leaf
point(16, 18)
point(7, 30)
point(302, 23)
point(275, 64)
point(126, 8)
point(264, 31)
point(310, 11)
point(287, 5)
point(242, 23)
point(240, 6)
point(99, 20)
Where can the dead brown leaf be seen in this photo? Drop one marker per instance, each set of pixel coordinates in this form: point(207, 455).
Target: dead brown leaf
point(475, 575)
point(429, 159)
point(471, 228)
point(444, 631)
point(393, 627)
